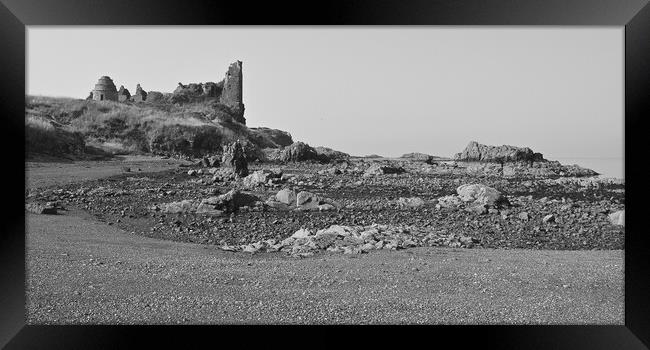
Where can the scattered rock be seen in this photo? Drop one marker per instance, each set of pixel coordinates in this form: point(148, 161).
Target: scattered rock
point(617, 218)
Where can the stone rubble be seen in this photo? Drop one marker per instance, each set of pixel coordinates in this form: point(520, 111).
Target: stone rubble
point(356, 240)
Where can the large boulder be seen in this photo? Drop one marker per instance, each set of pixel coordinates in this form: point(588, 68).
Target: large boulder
point(484, 153)
point(478, 194)
point(234, 157)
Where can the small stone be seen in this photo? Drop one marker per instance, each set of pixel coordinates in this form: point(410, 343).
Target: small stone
point(548, 218)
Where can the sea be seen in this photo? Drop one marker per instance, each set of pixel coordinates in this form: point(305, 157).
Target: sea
point(606, 167)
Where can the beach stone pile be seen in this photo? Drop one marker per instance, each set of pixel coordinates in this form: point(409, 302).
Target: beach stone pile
point(229, 202)
point(356, 240)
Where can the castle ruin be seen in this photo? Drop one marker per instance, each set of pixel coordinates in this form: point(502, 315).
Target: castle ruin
point(232, 92)
point(228, 92)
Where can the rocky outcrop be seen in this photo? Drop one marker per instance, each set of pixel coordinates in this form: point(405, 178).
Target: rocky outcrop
point(525, 169)
point(270, 138)
point(484, 153)
point(329, 154)
point(296, 152)
point(235, 158)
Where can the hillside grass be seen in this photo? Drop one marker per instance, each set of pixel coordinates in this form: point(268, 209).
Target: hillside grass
point(194, 129)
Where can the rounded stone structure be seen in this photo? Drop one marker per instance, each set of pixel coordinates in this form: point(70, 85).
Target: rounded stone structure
point(105, 90)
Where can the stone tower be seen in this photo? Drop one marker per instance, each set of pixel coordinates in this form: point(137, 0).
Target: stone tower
point(105, 90)
point(232, 92)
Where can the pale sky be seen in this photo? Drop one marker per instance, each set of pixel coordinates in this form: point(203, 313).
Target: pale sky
point(365, 90)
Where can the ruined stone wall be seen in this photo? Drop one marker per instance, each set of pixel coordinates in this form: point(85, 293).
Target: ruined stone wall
point(232, 92)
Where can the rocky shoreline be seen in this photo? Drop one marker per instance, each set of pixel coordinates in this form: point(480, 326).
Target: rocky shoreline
point(358, 204)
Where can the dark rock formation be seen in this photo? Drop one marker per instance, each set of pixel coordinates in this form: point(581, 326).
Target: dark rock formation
point(329, 154)
point(484, 153)
point(235, 158)
point(270, 138)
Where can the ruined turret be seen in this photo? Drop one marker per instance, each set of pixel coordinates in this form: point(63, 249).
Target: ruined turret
point(232, 92)
point(105, 90)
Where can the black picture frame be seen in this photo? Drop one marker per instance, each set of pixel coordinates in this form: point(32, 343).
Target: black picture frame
point(634, 15)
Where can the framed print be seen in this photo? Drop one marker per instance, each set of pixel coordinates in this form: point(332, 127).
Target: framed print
point(450, 170)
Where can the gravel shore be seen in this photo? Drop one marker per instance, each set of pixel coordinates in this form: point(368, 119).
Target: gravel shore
point(80, 271)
